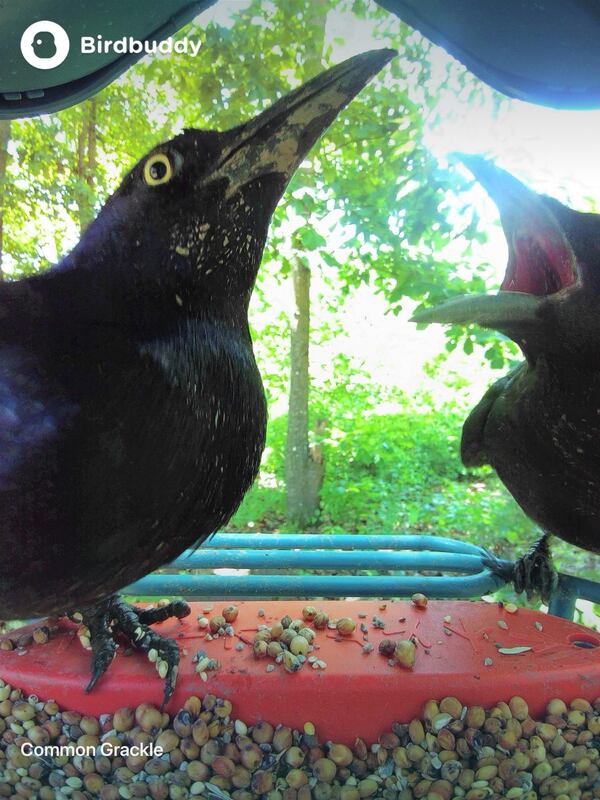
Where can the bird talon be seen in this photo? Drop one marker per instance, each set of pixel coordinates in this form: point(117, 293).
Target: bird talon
point(93, 681)
point(534, 573)
point(114, 617)
point(170, 681)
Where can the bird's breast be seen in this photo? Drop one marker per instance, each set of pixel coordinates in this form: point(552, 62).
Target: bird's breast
point(212, 416)
point(540, 429)
point(169, 445)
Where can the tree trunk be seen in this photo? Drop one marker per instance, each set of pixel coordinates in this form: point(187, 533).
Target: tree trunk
point(85, 168)
point(304, 466)
point(4, 140)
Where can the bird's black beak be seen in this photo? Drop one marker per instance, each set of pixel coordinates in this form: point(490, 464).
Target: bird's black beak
point(277, 140)
point(541, 261)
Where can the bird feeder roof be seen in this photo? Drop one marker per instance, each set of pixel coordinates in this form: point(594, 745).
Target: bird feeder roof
point(542, 51)
point(26, 90)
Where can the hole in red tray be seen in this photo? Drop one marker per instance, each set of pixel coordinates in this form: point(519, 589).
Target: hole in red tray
point(584, 640)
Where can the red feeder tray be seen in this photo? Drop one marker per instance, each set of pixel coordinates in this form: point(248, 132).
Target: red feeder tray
point(358, 693)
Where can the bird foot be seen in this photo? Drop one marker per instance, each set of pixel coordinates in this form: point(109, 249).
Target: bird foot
point(112, 618)
point(534, 572)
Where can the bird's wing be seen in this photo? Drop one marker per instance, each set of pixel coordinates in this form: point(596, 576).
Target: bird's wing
point(32, 410)
point(31, 414)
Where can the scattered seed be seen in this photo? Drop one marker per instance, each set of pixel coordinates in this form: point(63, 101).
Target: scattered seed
point(345, 626)
point(405, 653)
point(230, 613)
point(419, 600)
point(41, 634)
point(163, 668)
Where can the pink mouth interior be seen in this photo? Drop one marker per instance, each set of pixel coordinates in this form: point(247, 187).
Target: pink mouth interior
point(538, 266)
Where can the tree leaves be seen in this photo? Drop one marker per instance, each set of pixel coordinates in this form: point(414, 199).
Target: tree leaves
point(369, 206)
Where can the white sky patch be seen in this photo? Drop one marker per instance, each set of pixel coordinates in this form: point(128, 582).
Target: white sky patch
point(553, 151)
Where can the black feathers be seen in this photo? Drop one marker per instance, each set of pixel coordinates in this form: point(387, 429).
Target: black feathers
point(132, 415)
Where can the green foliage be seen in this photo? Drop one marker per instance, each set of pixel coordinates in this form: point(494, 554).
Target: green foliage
point(392, 465)
point(374, 489)
point(370, 185)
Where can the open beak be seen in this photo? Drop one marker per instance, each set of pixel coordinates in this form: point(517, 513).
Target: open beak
point(541, 261)
point(277, 140)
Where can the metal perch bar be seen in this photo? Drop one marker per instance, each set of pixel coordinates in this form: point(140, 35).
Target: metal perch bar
point(286, 586)
point(338, 541)
point(343, 552)
point(337, 560)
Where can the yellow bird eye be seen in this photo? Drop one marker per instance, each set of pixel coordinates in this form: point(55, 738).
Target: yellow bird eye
point(158, 169)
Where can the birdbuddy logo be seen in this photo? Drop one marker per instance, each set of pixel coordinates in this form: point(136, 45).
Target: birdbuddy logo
point(128, 44)
point(45, 44)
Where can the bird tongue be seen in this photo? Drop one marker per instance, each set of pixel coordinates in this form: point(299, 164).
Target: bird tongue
point(538, 265)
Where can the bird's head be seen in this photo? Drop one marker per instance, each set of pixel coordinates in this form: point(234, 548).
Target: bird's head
point(187, 226)
point(549, 300)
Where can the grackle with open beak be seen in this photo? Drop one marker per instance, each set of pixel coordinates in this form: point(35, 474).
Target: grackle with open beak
point(132, 413)
point(539, 426)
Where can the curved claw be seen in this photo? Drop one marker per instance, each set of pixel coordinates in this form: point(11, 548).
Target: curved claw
point(170, 654)
point(101, 660)
point(103, 645)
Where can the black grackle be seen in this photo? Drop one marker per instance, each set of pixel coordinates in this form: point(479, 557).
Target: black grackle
point(132, 413)
point(539, 426)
